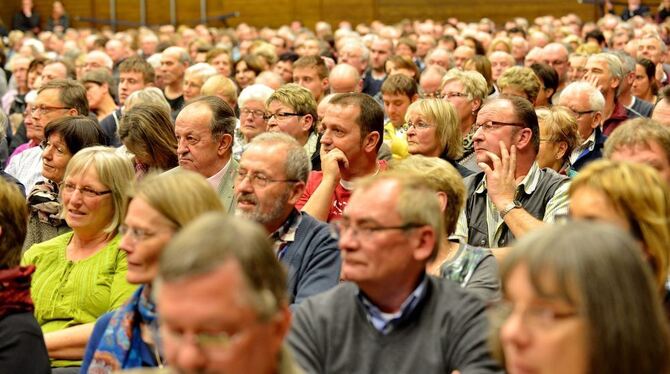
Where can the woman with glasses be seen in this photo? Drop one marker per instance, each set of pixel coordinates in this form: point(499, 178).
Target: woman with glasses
point(82, 274)
point(578, 298)
point(158, 208)
point(558, 137)
point(252, 116)
point(432, 131)
point(64, 137)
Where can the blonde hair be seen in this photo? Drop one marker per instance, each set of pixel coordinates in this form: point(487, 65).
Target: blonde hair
point(638, 132)
point(148, 95)
point(561, 125)
point(474, 84)
point(219, 85)
point(443, 115)
point(523, 78)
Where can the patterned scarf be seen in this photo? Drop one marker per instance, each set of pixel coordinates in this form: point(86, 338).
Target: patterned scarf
point(15, 290)
point(120, 345)
point(43, 201)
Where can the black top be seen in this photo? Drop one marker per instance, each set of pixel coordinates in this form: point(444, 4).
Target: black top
point(22, 348)
point(23, 23)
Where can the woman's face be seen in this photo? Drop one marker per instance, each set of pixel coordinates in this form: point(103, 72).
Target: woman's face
point(146, 234)
point(641, 84)
point(222, 64)
point(87, 202)
point(192, 85)
point(590, 204)
point(551, 153)
point(243, 75)
point(55, 157)
point(95, 94)
point(542, 335)
point(252, 122)
point(33, 75)
point(422, 136)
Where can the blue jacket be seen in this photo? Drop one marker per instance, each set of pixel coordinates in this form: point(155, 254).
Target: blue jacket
point(592, 155)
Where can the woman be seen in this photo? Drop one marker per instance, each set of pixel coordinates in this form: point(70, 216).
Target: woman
point(21, 341)
point(247, 69)
point(578, 299)
point(147, 131)
point(81, 275)
point(432, 131)
point(633, 197)
point(645, 86)
point(64, 137)
point(59, 20)
point(558, 137)
point(100, 100)
point(194, 77)
point(252, 116)
point(221, 86)
point(158, 209)
point(220, 59)
point(520, 81)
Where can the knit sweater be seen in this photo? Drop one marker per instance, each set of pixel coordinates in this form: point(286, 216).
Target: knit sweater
point(447, 331)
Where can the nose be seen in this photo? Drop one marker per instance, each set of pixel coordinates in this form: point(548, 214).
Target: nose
point(190, 357)
point(513, 331)
point(46, 153)
point(243, 185)
point(182, 148)
point(127, 243)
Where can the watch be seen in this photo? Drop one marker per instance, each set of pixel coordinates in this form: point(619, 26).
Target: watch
point(509, 207)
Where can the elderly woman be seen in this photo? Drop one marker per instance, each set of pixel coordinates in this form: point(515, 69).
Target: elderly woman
point(82, 275)
point(221, 86)
point(64, 137)
point(579, 299)
point(520, 81)
point(558, 137)
point(432, 131)
point(252, 116)
point(158, 209)
point(194, 77)
point(21, 340)
point(147, 131)
point(465, 90)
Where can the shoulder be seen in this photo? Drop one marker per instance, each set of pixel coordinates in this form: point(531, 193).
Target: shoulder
point(328, 304)
point(48, 249)
point(19, 323)
point(453, 300)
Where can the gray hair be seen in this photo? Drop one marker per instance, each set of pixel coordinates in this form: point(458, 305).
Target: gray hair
point(613, 63)
point(202, 70)
point(148, 95)
point(103, 56)
point(254, 92)
point(297, 166)
point(596, 98)
point(627, 61)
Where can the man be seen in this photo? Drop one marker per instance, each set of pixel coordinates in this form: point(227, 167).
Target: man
point(586, 103)
point(605, 72)
point(353, 128)
point(462, 54)
point(654, 49)
point(311, 72)
point(222, 300)
point(284, 66)
point(431, 79)
point(134, 74)
point(97, 60)
point(641, 141)
point(519, 49)
point(661, 113)
point(272, 176)
point(204, 131)
point(58, 98)
point(500, 61)
point(556, 56)
point(440, 57)
point(577, 66)
point(345, 78)
point(380, 51)
point(398, 92)
point(356, 55)
point(57, 69)
point(390, 317)
point(533, 57)
point(14, 101)
point(174, 61)
point(512, 195)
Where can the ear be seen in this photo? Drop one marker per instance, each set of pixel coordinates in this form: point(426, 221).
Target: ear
point(414, 98)
point(370, 142)
point(324, 84)
point(615, 83)
point(225, 143)
point(281, 322)
point(425, 238)
point(562, 148)
point(72, 112)
point(476, 104)
point(442, 198)
point(359, 86)
point(549, 92)
point(307, 122)
point(597, 118)
point(296, 193)
point(525, 135)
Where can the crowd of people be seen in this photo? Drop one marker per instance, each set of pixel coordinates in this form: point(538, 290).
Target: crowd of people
point(427, 196)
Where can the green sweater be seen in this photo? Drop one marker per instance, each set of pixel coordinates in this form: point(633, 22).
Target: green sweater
point(69, 293)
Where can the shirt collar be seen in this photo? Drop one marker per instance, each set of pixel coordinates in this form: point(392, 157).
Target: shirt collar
point(215, 180)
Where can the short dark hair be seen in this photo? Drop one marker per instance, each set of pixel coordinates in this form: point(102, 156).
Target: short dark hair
point(400, 84)
point(136, 64)
point(547, 74)
point(288, 56)
point(525, 113)
point(78, 132)
point(371, 116)
point(223, 116)
point(71, 93)
point(315, 62)
point(13, 215)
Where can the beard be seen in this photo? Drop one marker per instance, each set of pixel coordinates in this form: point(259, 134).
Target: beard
point(260, 215)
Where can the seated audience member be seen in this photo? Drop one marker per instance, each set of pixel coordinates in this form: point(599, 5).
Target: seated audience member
point(549, 79)
point(21, 340)
point(158, 209)
point(500, 62)
point(216, 250)
point(269, 79)
point(247, 69)
point(645, 86)
point(635, 107)
point(194, 77)
point(272, 176)
point(473, 268)
point(292, 110)
point(482, 65)
point(512, 195)
point(352, 131)
point(642, 141)
point(398, 92)
point(432, 131)
point(587, 105)
point(576, 67)
point(559, 135)
point(569, 278)
point(461, 54)
point(381, 49)
point(284, 66)
point(252, 116)
point(34, 131)
point(403, 66)
point(97, 60)
point(311, 72)
point(391, 309)
point(344, 78)
point(204, 129)
point(520, 81)
point(221, 86)
point(605, 71)
point(557, 56)
point(147, 132)
point(661, 111)
point(55, 99)
point(221, 60)
point(147, 95)
point(81, 275)
point(173, 63)
point(100, 101)
point(466, 91)
point(14, 100)
point(431, 80)
point(64, 137)
point(610, 191)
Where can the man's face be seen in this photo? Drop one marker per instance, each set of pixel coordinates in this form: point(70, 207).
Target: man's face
point(462, 54)
point(53, 71)
point(198, 307)
point(197, 149)
point(93, 62)
point(439, 57)
point(172, 69)
point(577, 68)
point(308, 77)
point(353, 55)
point(430, 84)
point(285, 70)
point(115, 50)
point(222, 64)
point(662, 112)
point(423, 45)
point(558, 59)
point(379, 53)
point(192, 84)
point(271, 204)
point(342, 132)
point(396, 106)
point(598, 71)
point(20, 72)
point(500, 62)
point(46, 108)
point(619, 41)
point(129, 82)
point(311, 48)
point(650, 48)
point(488, 140)
point(651, 154)
point(579, 105)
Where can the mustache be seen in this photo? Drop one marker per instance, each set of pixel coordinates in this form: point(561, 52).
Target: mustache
point(246, 197)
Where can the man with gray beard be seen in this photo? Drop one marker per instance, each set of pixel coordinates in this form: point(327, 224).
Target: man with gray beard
point(272, 177)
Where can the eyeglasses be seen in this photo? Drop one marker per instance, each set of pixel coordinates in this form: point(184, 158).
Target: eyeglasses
point(46, 108)
point(259, 180)
point(253, 113)
point(490, 125)
point(556, 62)
point(69, 188)
point(451, 95)
point(419, 125)
point(534, 317)
point(136, 235)
point(281, 116)
point(339, 228)
point(579, 114)
point(210, 343)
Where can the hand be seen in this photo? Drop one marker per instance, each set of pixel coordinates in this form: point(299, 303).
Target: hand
point(660, 74)
point(593, 80)
point(331, 161)
point(500, 181)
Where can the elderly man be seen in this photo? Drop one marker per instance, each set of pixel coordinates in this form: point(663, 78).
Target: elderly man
point(462, 54)
point(272, 176)
point(431, 80)
point(586, 103)
point(97, 60)
point(635, 107)
point(353, 128)
point(390, 317)
point(654, 49)
point(512, 195)
point(174, 61)
point(344, 78)
point(58, 98)
point(605, 72)
point(556, 56)
point(356, 55)
point(222, 300)
point(204, 131)
point(500, 61)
